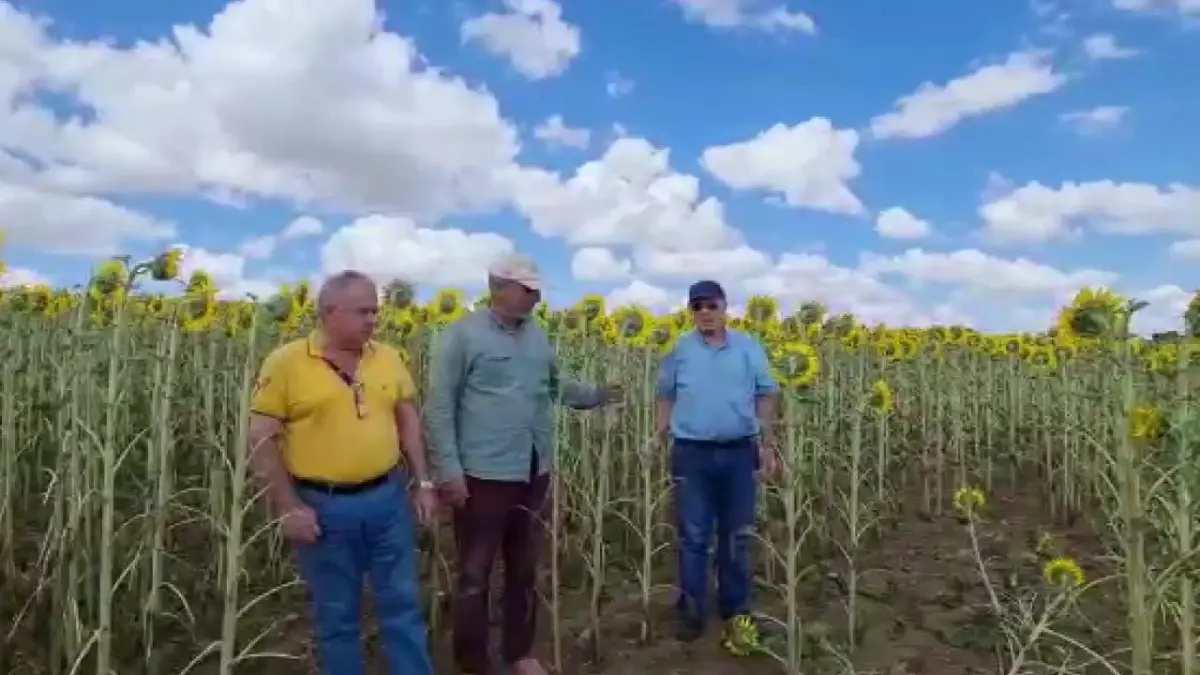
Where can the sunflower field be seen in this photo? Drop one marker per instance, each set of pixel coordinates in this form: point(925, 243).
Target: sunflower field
point(948, 501)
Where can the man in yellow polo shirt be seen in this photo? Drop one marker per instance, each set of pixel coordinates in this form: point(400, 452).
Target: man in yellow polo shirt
point(330, 415)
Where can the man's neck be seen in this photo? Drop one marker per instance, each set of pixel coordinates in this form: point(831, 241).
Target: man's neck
point(505, 320)
point(714, 337)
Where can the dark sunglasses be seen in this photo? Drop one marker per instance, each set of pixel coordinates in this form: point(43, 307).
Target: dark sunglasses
point(705, 306)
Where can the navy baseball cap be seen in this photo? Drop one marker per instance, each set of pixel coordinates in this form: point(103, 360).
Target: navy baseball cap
point(705, 290)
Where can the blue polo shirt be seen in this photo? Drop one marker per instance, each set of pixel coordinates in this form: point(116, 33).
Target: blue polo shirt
point(714, 387)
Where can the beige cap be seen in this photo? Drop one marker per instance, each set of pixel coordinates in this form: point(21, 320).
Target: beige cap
point(518, 268)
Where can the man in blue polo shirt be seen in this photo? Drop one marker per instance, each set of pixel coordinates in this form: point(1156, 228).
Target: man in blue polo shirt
point(716, 402)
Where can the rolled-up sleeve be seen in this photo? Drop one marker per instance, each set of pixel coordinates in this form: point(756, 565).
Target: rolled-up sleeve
point(449, 373)
point(764, 382)
point(667, 367)
point(572, 393)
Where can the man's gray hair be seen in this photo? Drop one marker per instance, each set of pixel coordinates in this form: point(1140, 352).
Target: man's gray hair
point(337, 283)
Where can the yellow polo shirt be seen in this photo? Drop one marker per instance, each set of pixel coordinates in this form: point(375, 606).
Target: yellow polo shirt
point(332, 431)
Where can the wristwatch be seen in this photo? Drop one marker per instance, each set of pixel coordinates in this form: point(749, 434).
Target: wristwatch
point(425, 485)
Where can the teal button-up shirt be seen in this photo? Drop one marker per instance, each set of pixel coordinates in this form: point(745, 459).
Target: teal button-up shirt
point(490, 403)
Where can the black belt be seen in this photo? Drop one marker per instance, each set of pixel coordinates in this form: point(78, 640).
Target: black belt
point(722, 444)
point(342, 488)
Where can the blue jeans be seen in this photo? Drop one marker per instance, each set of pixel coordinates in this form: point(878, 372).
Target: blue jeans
point(715, 484)
point(366, 535)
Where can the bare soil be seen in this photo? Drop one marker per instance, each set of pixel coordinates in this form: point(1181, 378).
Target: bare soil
point(921, 607)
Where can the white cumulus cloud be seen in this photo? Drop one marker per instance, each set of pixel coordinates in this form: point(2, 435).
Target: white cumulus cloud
point(935, 108)
point(531, 35)
point(810, 164)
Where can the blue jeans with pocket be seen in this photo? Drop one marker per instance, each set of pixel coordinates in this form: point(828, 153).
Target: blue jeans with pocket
point(365, 536)
point(715, 487)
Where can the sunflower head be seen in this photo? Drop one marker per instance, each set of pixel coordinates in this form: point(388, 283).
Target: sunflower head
point(398, 294)
point(794, 364)
point(632, 324)
point(1062, 572)
point(591, 306)
point(446, 306)
point(663, 334)
point(761, 309)
point(1145, 423)
point(968, 501)
point(109, 279)
point(881, 400)
point(166, 266)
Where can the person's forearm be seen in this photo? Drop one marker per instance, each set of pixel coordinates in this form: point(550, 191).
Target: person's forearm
point(414, 451)
point(764, 408)
point(662, 413)
point(271, 474)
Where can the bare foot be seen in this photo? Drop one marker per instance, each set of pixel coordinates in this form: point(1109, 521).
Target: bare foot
point(528, 666)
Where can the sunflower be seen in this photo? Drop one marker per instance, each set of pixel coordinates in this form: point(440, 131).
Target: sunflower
point(109, 279)
point(663, 334)
point(969, 500)
point(573, 322)
point(854, 339)
point(794, 364)
point(447, 306)
point(398, 294)
point(237, 318)
point(761, 309)
point(811, 313)
point(591, 306)
point(881, 399)
point(1042, 358)
point(889, 349)
point(632, 324)
point(1093, 313)
point(1145, 423)
point(166, 265)
point(403, 322)
point(199, 303)
point(1063, 572)
point(41, 299)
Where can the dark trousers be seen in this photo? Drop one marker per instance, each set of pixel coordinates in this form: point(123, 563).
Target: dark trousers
point(714, 485)
point(509, 518)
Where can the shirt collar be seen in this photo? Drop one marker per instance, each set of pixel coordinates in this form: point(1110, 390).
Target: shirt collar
point(317, 341)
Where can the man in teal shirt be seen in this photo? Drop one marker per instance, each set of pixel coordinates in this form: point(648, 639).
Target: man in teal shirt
point(495, 378)
point(716, 401)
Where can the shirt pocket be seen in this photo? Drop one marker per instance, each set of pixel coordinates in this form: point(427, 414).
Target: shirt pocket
point(494, 371)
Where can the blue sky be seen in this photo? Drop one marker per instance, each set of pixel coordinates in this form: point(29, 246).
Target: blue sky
point(1089, 100)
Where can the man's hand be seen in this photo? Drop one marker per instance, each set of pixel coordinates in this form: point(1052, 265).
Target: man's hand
point(299, 525)
point(454, 492)
point(768, 458)
point(425, 503)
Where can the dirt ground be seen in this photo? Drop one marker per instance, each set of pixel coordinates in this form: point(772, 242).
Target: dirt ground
point(920, 606)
